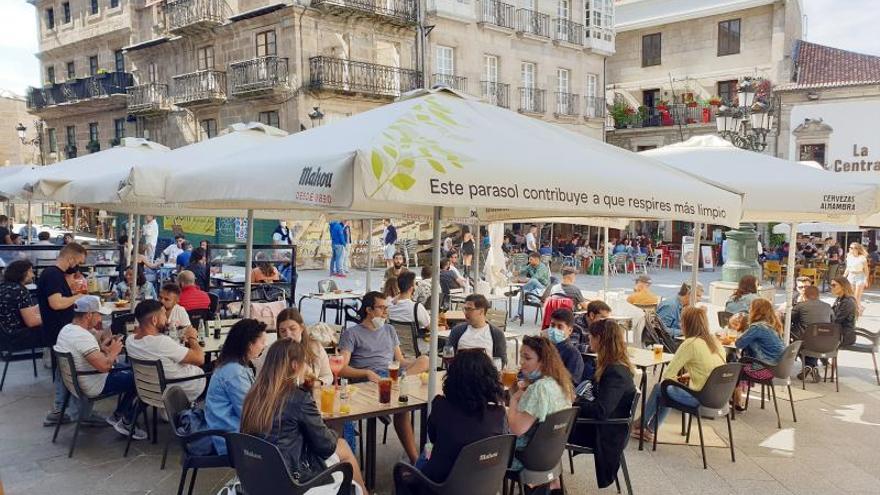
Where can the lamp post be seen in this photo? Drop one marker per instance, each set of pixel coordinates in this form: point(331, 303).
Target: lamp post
point(37, 141)
point(746, 125)
point(316, 115)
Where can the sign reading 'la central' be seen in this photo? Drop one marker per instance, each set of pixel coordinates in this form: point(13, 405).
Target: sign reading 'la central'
point(859, 162)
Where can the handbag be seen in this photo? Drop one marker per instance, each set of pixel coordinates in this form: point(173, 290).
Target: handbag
point(268, 312)
point(190, 421)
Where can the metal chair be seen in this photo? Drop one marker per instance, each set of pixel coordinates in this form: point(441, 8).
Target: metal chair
point(781, 376)
point(872, 347)
point(70, 375)
point(12, 348)
point(262, 470)
point(350, 315)
point(541, 458)
point(574, 450)
point(176, 401)
point(821, 341)
point(327, 286)
point(497, 318)
point(641, 263)
point(713, 402)
point(407, 334)
point(479, 468)
point(619, 261)
point(724, 318)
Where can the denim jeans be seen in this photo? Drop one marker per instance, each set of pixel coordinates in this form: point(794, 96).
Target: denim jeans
point(336, 259)
point(534, 286)
point(654, 416)
point(121, 379)
point(346, 255)
point(61, 393)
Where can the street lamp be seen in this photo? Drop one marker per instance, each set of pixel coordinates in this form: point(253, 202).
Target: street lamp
point(37, 141)
point(316, 115)
point(747, 124)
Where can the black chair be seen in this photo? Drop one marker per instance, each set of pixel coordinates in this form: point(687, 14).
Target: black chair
point(534, 301)
point(821, 341)
point(70, 375)
point(479, 468)
point(724, 318)
point(328, 286)
point(120, 322)
point(262, 470)
point(408, 335)
point(781, 376)
point(541, 458)
point(214, 305)
point(350, 315)
point(574, 450)
point(13, 346)
point(196, 315)
point(872, 348)
point(713, 399)
point(176, 401)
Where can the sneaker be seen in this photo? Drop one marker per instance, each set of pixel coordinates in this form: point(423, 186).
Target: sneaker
point(113, 419)
point(52, 419)
point(95, 420)
point(815, 374)
point(125, 429)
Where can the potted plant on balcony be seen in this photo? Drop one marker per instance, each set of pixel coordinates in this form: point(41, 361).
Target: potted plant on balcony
point(715, 101)
point(103, 72)
point(93, 146)
point(622, 113)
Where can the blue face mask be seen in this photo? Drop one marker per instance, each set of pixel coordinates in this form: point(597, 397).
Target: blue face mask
point(533, 375)
point(555, 335)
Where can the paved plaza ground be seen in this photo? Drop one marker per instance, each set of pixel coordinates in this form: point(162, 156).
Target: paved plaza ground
point(831, 449)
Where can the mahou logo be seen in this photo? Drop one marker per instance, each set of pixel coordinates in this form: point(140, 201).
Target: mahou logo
point(316, 178)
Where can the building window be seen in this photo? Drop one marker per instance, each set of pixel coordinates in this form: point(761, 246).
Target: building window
point(562, 9)
point(71, 141)
point(208, 128)
point(71, 70)
point(93, 131)
point(206, 58)
point(269, 118)
point(53, 140)
point(599, 19)
point(93, 65)
point(527, 73)
point(119, 58)
point(563, 80)
point(266, 46)
point(650, 97)
point(93, 7)
point(445, 60)
point(645, 147)
point(119, 128)
point(592, 88)
point(50, 75)
point(65, 12)
point(651, 50)
point(490, 68)
point(114, 4)
point(812, 152)
point(153, 72)
point(50, 18)
point(727, 91)
point(728, 37)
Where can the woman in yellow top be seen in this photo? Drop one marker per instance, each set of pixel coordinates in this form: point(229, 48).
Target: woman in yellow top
point(264, 272)
point(699, 354)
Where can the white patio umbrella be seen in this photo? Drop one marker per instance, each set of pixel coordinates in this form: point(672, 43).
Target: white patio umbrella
point(774, 190)
point(442, 153)
point(810, 227)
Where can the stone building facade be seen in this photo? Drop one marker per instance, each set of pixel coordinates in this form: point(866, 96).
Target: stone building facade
point(12, 112)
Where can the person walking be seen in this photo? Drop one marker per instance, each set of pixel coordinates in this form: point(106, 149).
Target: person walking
point(337, 245)
point(389, 237)
point(346, 247)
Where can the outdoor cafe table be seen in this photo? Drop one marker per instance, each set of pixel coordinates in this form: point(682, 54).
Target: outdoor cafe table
point(341, 295)
point(364, 402)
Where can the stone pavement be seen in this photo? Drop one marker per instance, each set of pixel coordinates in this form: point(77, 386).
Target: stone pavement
point(831, 449)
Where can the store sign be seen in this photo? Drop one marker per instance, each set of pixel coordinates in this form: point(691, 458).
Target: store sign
point(191, 225)
point(842, 137)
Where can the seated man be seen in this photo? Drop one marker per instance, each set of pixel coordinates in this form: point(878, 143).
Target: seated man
point(403, 308)
point(536, 275)
point(448, 278)
point(192, 297)
point(478, 333)
point(453, 267)
point(79, 339)
point(669, 310)
point(178, 319)
point(570, 290)
point(149, 342)
point(174, 249)
point(182, 260)
point(561, 325)
point(367, 350)
point(642, 295)
point(801, 284)
point(807, 312)
point(396, 267)
point(596, 310)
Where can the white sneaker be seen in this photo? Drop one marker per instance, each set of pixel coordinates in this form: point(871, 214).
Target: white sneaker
point(123, 429)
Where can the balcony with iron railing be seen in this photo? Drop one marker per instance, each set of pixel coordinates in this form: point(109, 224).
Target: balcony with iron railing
point(401, 12)
point(531, 100)
point(566, 104)
point(594, 107)
point(194, 16)
point(258, 76)
point(534, 23)
point(97, 88)
point(353, 77)
point(674, 114)
point(148, 99)
point(566, 31)
point(495, 93)
point(203, 87)
point(498, 14)
point(458, 83)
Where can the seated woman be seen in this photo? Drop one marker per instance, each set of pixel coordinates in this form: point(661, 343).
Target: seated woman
point(290, 325)
point(608, 395)
point(472, 396)
point(233, 377)
point(19, 314)
point(265, 273)
point(742, 298)
point(146, 290)
point(699, 354)
point(281, 409)
point(763, 341)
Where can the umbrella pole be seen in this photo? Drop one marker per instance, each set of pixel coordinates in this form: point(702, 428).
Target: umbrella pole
point(435, 308)
point(76, 221)
point(130, 231)
point(134, 259)
point(475, 264)
point(27, 225)
point(789, 283)
point(249, 257)
point(369, 254)
point(695, 266)
point(605, 258)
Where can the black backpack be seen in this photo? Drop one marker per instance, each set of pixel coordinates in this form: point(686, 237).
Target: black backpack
point(655, 332)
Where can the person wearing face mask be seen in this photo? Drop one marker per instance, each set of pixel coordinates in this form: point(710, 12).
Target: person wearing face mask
point(477, 333)
point(290, 325)
point(150, 342)
point(281, 235)
point(56, 300)
point(367, 350)
point(233, 377)
point(561, 325)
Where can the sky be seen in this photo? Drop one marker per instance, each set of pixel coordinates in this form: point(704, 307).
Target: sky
point(846, 24)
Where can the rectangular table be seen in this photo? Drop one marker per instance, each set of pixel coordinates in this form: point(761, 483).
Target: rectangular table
point(332, 296)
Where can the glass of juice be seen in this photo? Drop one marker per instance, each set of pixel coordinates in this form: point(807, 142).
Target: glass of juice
point(393, 369)
point(508, 378)
point(328, 398)
point(385, 390)
point(658, 352)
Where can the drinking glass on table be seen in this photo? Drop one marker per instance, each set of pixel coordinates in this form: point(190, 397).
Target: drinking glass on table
point(508, 377)
point(328, 399)
point(336, 365)
point(448, 355)
point(393, 369)
point(384, 390)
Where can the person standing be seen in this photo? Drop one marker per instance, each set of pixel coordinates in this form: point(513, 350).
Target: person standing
point(532, 240)
point(337, 245)
point(151, 236)
point(56, 299)
point(4, 230)
point(467, 251)
point(389, 237)
point(281, 235)
point(857, 271)
point(346, 247)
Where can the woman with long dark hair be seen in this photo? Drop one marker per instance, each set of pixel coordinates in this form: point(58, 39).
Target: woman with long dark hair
point(280, 408)
point(469, 410)
point(290, 325)
point(233, 377)
point(745, 293)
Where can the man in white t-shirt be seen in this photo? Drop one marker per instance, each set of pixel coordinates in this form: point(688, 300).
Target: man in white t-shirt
point(178, 361)
point(178, 318)
point(173, 250)
point(532, 240)
point(79, 339)
point(403, 307)
point(151, 236)
point(477, 333)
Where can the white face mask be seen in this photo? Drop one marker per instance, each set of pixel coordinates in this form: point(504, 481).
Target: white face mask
point(378, 321)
